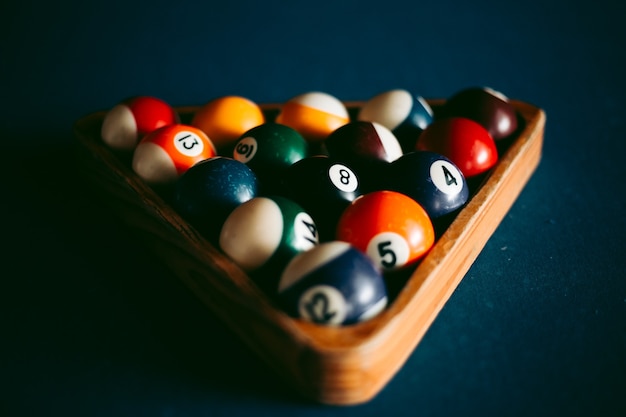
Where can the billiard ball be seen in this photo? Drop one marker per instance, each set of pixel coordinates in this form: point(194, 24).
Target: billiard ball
point(128, 122)
point(269, 149)
point(324, 187)
point(224, 119)
point(389, 227)
point(465, 142)
point(430, 179)
point(263, 234)
point(404, 113)
point(486, 106)
point(367, 147)
point(314, 114)
point(167, 152)
point(332, 284)
point(363, 141)
point(210, 190)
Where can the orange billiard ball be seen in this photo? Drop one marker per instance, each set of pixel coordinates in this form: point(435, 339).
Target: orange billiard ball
point(224, 119)
point(390, 227)
point(166, 153)
point(128, 122)
point(315, 115)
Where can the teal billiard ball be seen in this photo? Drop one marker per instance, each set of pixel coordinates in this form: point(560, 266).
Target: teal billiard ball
point(210, 190)
point(269, 149)
point(263, 234)
point(405, 113)
point(332, 284)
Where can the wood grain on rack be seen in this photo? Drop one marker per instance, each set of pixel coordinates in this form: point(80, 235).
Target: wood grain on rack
point(333, 365)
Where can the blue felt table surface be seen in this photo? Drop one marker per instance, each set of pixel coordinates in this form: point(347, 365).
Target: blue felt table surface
point(92, 324)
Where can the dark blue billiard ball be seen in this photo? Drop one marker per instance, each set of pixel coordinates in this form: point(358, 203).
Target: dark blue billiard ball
point(324, 187)
point(210, 190)
point(404, 113)
point(332, 284)
point(432, 180)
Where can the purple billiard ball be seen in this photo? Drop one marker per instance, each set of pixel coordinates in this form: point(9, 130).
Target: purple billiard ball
point(432, 180)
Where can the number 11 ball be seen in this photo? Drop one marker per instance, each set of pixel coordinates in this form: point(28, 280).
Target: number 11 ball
point(332, 284)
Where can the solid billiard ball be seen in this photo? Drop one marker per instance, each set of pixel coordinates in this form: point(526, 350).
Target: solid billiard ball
point(332, 284)
point(314, 114)
point(224, 119)
point(128, 122)
point(390, 227)
point(269, 149)
point(465, 142)
point(404, 113)
point(265, 233)
point(367, 147)
point(166, 153)
point(210, 190)
point(486, 106)
point(430, 179)
point(324, 187)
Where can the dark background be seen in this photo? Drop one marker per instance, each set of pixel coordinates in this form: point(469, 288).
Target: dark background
point(93, 325)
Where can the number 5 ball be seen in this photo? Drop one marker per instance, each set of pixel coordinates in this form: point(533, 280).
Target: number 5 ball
point(390, 227)
point(332, 284)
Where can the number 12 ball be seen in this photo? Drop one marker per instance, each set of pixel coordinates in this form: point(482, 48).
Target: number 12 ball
point(332, 284)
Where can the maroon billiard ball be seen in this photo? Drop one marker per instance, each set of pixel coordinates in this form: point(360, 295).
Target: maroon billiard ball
point(488, 107)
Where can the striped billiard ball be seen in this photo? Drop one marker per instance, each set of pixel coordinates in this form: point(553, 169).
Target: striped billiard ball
point(166, 153)
point(404, 113)
point(128, 122)
point(332, 284)
point(263, 234)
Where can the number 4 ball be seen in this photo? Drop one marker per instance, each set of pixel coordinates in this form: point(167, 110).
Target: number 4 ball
point(332, 284)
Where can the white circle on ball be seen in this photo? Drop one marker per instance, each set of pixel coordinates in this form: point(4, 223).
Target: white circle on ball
point(388, 250)
point(246, 149)
point(323, 304)
point(446, 177)
point(188, 143)
point(305, 231)
point(343, 178)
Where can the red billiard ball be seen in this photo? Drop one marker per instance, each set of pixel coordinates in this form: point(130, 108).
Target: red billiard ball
point(128, 122)
point(390, 227)
point(363, 141)
point(314, 114)
point(490, 108)
point(465, 142)
point(263, 234)
point(404, 113)
point(166, 153)
point(332, 284)
point(224, 119)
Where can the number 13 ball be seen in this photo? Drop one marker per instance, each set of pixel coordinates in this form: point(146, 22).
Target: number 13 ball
point(332, 284)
